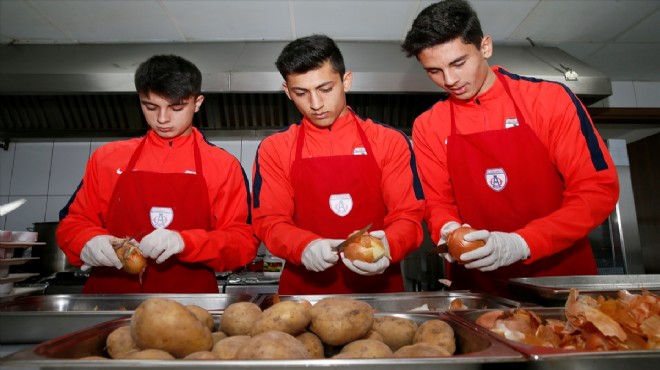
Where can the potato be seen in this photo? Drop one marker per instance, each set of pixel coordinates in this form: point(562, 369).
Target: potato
point(120, 342)
point(149, 354)
point(372, 334)
point(272, 345)
point(202, 355)
point(396, 331)
point(367, 348)
point(312, 343)
point(202, 315)
point(338, 320)
point(438, 333)
point(226, 348)
point(239, 318)
point(217, 336)
point(421, 349)
point(165, 324)
point(291, 317)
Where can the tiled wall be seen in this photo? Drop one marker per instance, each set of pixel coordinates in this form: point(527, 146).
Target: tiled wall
point(47, 173)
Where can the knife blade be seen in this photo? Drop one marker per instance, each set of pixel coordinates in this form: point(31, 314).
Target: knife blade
point(353, 238)
point(442, 248)
point(6, 208)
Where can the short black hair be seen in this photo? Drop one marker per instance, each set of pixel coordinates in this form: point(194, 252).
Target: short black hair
point(169, 76)
point(309, 53)
point(442, 22)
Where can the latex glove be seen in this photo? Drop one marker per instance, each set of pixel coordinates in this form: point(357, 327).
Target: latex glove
point(320, 254)
point(161, 244)
point(98, 251)
point(366, 268)
point(501, 249)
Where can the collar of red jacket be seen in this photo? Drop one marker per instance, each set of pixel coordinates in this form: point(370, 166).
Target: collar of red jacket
point(177, 142)
point(341, 122)
point(494, 93)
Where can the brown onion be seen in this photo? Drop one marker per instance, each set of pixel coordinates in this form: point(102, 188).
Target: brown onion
point(368, 249)
point(457, 245)
point(130, 256)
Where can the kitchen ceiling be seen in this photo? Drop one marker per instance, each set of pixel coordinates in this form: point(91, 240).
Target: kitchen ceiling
point(618, 37)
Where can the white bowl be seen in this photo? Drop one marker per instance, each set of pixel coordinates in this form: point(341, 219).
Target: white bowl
point(6, 288)
point(24, 236)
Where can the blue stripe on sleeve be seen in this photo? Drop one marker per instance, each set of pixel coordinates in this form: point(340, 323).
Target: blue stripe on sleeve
point(588, 132)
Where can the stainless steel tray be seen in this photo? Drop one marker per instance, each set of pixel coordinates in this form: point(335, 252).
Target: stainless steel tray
point(553, 358)
point(35, 319)
point(554, 290)
point(437, 301)
point(473, 350)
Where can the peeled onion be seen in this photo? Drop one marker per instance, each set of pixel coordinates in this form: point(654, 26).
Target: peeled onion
point(130, 256)
point(457, 245)
point(368, 249)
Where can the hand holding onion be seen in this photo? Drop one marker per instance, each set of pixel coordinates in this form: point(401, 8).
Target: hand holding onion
point(457, 245)
point(130, 256)
point(368, 249)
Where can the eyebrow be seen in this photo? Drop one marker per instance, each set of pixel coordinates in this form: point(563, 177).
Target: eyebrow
point(317, 87)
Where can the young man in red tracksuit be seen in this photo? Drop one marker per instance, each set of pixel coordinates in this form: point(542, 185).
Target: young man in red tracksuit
point(517, 158)
point(186, 199)
point(330, 174)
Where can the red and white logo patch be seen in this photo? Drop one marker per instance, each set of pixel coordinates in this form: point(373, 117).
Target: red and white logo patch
point(341, 204)
point(161, 217)
point(496, 178)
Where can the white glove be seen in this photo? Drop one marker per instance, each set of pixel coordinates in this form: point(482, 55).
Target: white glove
point(501, 249)
point(98, 251)
point(320, 254)
point(366, 268)
point(161, 244)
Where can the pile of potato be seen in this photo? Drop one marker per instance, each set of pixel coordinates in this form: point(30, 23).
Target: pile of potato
point(334, 327)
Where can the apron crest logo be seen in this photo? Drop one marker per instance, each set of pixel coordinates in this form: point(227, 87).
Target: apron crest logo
point(341, 204)
point(496, 178)
point(510, 122)
point(161, 217)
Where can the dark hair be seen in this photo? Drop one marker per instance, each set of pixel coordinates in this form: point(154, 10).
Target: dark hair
point(442, 22)
point(169, 76)
point(309, 53)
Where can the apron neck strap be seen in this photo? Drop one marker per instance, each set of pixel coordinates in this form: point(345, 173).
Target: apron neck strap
point(138, 152)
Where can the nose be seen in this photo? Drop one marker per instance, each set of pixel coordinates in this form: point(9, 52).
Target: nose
point(316, 102)
point(450, 77)
point(163, 116)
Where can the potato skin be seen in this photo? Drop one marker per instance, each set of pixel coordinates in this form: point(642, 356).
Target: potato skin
point(226, 348)
point(367, 348)
point(149, 354)
point(120, 342)
point(217, 336)
point(202, 355)
point(421, 349)
point(238, 318)
point(165, 324)
point(272, 345)
point(202, 315)
point(291, 317)
point(395, 331)
point(338, 320)
point(312, 343)
point(438, 333)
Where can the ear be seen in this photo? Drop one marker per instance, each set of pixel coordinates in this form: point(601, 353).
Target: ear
point(286, 90)
point(348, 81)
point(487, 46)
point(198, 102)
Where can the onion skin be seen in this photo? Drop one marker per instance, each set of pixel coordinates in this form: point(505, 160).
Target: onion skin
point(130, 256)
point(457, 245)
point(368, 249)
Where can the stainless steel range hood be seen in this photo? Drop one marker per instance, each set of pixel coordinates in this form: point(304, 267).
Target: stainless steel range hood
point(87, 90)
point(247, 67)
